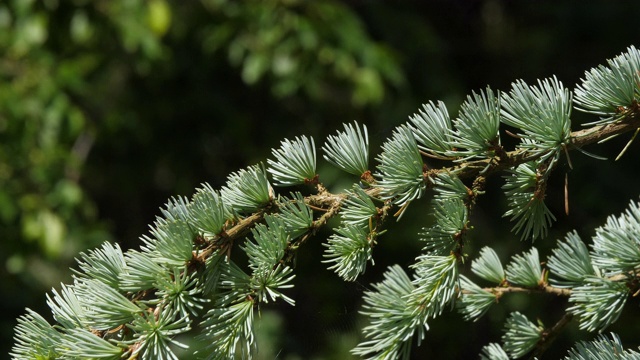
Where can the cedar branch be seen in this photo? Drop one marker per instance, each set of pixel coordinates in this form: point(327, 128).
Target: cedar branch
point(578, 139)
point(549, 335)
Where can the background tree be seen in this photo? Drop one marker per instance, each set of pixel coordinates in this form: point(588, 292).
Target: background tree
point(110, 93)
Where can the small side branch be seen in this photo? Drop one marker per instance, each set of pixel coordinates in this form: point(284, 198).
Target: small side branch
point(501, 290)
point(229, 235)
point(578, 139)
point(549, 336)
point(321, 221)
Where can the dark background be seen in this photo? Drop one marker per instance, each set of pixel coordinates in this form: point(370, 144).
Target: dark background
point(108, 108)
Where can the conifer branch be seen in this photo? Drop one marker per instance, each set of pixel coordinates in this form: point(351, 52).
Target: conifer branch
point(549, 335)
point(331, 211)
point(547, 289)
point(239, 229)
point(506, 160)
point(578, 140)
point(136, 302)
point(471, 169)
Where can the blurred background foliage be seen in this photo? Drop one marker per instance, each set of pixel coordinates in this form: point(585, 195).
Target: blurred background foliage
point(108, 107)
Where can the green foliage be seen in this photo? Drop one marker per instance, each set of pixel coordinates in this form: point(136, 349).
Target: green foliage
point(358, 208)
point(270, 244)
point(247, 190)
point(570, 262)
point(406, 305)
point(154, 332)
point(488, 266)
point(525, 189)
point(432, 128)
point(602, 348)
point(52, 101)
point(67, 308)
point(141, 273)
point(525, 269)
point(301, 47)
point(172, 242)
point(611, 91)
point(106, 264)
point(81, 343)
point(111, 308)
point(297, 217)
point(543, 114)
point(401, 177)
point(449, 186)
point(295, 162)
point(520, 335)
point(35, 337)
point(451, 222)
point(493, 351)
point(598, 302)
point(477, 127)
point(349, 150)
point(436, 279)
point(473, 301)
point(391, 334)
point(179, 291)
point(350, 250)
point(229, 331)
point(615, 246)
point(207, 211)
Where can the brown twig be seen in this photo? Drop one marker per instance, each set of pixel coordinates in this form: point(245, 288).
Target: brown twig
point(549, 335)
point(548, 289)
point(578, 139)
